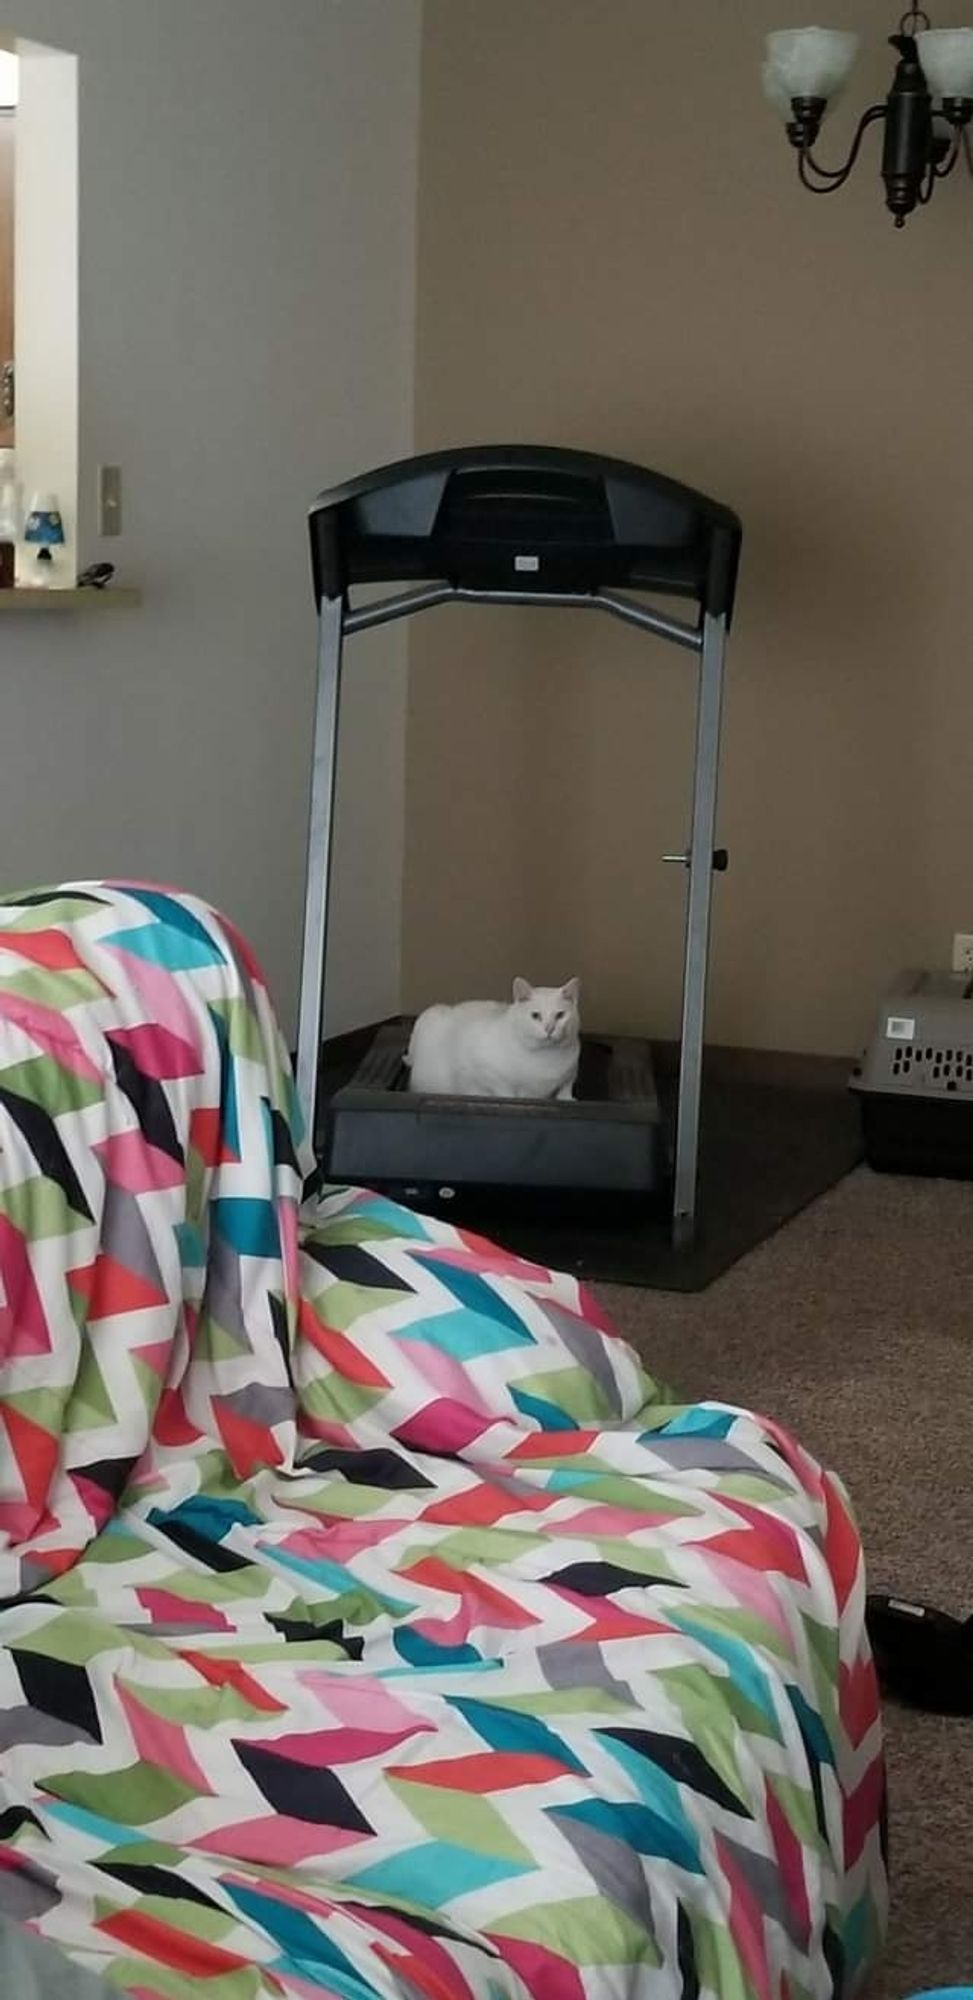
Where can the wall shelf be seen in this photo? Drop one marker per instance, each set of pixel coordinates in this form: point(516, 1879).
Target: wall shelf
point(114, 597)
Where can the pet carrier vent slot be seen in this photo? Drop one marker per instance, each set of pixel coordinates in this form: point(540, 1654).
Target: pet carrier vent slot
point(943, 1066)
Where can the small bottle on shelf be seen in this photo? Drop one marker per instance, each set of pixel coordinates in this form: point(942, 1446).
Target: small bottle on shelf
point(44, 532)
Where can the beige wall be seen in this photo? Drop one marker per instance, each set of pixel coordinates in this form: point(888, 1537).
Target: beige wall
point(614, 254)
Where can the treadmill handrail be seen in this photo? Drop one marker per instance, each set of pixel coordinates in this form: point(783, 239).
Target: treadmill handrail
point(362, 617)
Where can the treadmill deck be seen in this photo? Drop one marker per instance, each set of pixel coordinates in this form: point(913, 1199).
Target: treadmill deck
point(610, 1139)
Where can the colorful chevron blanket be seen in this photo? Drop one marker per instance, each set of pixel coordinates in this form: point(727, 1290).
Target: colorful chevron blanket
point(371, 1626)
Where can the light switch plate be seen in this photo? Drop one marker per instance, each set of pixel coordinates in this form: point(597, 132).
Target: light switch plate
point(110, 499)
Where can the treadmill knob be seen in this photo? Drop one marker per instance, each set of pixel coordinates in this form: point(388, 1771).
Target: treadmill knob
point(721, 859)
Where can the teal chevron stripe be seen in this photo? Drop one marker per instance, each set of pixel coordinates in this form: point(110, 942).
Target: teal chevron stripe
point(434, 1868)
point(698, 1422)
point(508, 1729)
point(192, 1246)
point(229, 1109)
point(94, 1825)
point(812, 1726)
point(375, 1211)
point(335, 1577)
point(477, 1296)
point(664, 1803)
point(637, 1826)
point(175, 915)
point(173, 950)
point(247, 1223)
point(419, 1651)
point(741, 1660)
point(207, 1516)
point(549, 1416)
point(304, 1941)
point(465, 1335)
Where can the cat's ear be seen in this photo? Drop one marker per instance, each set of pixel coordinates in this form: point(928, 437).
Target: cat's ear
point(572, 991)
point(522, 989)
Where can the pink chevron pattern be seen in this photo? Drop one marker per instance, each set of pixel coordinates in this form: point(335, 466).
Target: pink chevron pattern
point(371, 1626)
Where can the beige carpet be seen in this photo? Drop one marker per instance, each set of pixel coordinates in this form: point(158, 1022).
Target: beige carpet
point(854, 1326)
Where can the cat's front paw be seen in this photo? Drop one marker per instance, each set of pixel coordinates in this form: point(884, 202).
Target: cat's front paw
point(566, 1094)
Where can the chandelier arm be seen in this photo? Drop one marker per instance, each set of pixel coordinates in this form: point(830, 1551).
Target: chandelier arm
point(830, 178)
point(941, 169)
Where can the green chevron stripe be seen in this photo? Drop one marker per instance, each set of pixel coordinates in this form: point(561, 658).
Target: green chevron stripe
point(38, 1208)
point(130, 1975)
point(91, 1406)
point(201, 1707)
point(335, 1400)
point(46, 916)
point(58, 990)
point(347, 1500)
point(632, 1555)
point(718, 1961)
point(587, 1930)
point(572, 1390)
point(354, 1229)
point(563, 1701)
point(707, 1723)
point(694, 1686)
point(44, 1407)
point(51, 1084)
point(343, 1304)
point(142, 1792)
point(112, 1548)
point(797, 1805)
point(76, 1638)
point(243, 1029)
point(467, 1548)
point(467, 1819)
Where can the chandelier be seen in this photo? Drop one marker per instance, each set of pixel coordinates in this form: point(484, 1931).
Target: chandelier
point(925, 116)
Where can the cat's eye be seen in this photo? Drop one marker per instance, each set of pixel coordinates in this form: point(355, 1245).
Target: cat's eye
point(560, 1016)
point(535, 1017)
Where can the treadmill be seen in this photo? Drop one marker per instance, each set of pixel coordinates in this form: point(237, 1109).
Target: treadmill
point(537, 525)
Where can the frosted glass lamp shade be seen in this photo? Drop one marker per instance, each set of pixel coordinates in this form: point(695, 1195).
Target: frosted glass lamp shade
point(946, 55)
point(808, 62)
point(775, 93)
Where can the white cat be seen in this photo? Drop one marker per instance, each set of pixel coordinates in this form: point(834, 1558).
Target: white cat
point(486, 1048)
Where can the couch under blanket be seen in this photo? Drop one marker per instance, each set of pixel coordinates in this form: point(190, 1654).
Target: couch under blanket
point(371, 1626)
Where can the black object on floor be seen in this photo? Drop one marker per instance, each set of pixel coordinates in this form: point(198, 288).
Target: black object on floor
point(923, 1657)
point(767, 1148)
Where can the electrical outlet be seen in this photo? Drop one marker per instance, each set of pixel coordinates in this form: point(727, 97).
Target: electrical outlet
point(963, 951)
point(109, 500)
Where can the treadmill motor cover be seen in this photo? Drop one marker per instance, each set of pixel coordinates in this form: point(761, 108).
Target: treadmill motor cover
point(506, 518)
